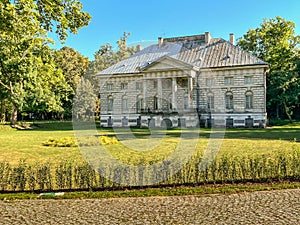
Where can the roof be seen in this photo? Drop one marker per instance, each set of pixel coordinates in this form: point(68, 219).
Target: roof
point(197, 51)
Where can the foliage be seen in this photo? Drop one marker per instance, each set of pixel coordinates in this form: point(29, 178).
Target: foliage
point(72, 142)
point(85, 99)
point(61, 142)
point(106, 56)
point(276, 43)
point(225, 169)
point(24, 41)
point(72, 64)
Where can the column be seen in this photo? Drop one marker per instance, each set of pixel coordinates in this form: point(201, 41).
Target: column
point(190, 91)
point(174, 93)
point(159, 92)
point(144, 94)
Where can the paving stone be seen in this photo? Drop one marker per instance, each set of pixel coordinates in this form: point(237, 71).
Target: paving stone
point(265, 207)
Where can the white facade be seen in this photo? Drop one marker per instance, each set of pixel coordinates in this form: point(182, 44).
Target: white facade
point(187, 87)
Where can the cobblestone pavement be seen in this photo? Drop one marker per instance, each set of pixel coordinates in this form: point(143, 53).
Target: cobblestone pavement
point(268, 207)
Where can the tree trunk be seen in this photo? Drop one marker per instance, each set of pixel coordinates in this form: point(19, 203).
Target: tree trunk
point(3, 111)
point(14, 115)
point(287, 112)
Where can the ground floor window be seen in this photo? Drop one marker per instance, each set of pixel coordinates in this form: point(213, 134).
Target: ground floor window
point(110, 103)
point(229, 100)
point(249, 100)
point(210, 101)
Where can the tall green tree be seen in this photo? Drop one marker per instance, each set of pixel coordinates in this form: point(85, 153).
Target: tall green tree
point(24, 26)
point(85, 100)
point(73, 64)
point(276, 43)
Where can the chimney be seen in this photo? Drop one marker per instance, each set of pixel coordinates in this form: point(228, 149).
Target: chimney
point(231, 38)
point(207, 37)
point(160, 41)
point(139, 48)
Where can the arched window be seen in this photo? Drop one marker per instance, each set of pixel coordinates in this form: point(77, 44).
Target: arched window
point(229, 100)
point(124, 103)
point(210, 101)
point(249, 100)
point(110, 103)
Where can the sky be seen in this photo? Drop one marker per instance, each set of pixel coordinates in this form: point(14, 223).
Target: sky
point(148, 20)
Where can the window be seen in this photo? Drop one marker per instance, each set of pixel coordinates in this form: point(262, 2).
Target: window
point(210, 101)
point(124, 86)
point(229, 100)
point(185, 102)
point(155, 84)
point(170, 102)
point(110, 103)
point(155, 103)
point(110, 86)
point(167, 84)
point(209, 82)
point(248, 80)
point(139, 104)
point(124, 103)
point(228, 80)
point(139, 85)
point(182, 82)
point(249, 100)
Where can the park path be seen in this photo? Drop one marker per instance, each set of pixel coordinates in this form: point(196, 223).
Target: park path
point(264, 207)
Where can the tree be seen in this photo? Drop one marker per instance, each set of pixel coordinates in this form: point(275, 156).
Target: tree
point(73, 65)
point(46, 89)
point(24, 26)
point(276, 43)
point(84, 100)
point(106, 56)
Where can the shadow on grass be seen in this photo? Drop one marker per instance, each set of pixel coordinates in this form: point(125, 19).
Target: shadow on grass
point(289, 132)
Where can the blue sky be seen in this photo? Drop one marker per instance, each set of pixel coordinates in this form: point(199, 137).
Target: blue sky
point(147, 20)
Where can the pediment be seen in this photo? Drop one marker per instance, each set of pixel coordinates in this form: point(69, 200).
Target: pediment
point(166, 63)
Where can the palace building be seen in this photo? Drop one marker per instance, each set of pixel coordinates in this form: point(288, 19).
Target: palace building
point(185, 81)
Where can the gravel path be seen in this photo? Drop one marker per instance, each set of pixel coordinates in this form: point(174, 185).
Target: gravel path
point(268, 207)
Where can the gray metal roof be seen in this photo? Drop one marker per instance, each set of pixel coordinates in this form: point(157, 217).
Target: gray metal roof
point(193, 51)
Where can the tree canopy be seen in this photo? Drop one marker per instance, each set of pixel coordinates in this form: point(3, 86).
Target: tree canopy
point(276, 43)
point(23, 42)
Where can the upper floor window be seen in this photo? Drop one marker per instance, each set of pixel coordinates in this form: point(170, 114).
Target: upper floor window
point(155, 84)
point(139, 85)
point(249, 100)
point(167, 83)
point(182, 82)
point(248, 80)
point(209, 82)
point(110, 86)
point(228, 80)
point(124, 86)
point(229, 100)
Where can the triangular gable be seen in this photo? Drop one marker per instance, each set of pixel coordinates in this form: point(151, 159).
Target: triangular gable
point(166, 63)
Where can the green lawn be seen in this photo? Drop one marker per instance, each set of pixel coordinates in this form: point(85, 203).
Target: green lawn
point(28, 144)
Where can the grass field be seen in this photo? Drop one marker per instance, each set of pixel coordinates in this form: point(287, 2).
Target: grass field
point(242, 155)
point(28, 144)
